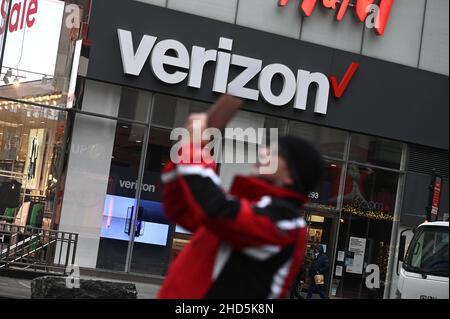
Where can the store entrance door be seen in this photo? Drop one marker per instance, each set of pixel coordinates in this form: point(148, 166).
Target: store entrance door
point(322, 230)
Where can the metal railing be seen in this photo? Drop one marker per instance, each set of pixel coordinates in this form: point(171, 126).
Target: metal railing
point(36, 249)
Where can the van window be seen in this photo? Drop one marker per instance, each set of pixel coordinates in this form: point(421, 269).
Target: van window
point(428, 252)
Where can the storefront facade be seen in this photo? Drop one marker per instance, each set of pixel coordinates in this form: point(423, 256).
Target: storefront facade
point(37, 42)
point(382, 132)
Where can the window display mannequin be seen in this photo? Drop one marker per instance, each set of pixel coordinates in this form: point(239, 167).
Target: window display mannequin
point(33, 157)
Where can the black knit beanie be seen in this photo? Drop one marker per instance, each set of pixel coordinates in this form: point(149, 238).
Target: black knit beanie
point(304, 161)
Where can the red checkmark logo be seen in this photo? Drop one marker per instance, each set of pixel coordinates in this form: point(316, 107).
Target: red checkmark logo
point(339, 88)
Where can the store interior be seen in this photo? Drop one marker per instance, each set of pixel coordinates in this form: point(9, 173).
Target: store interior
point(31, 154)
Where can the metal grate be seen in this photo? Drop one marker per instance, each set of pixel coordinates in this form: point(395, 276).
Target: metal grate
point(424, 159)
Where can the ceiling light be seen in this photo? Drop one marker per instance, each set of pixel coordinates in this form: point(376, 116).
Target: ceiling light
point(16, 82)
point(8, 74)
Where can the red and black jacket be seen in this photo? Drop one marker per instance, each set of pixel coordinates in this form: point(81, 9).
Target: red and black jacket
point(249, 243)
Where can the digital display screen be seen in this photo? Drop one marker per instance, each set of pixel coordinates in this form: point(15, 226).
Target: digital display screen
point(152, 227)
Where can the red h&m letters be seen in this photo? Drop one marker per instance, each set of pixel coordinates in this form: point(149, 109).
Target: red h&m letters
point(362, 8)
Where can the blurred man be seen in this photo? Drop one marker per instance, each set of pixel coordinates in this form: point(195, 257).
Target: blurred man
point(319, 266)
point(249, 243)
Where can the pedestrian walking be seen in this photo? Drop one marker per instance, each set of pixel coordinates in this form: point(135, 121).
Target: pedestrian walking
point(250, 242)
point(317, 273)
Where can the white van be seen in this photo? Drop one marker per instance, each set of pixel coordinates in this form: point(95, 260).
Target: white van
point(424, 273)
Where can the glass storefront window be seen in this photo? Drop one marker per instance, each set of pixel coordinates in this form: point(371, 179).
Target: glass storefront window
point(38, 58)
point(325, 197)
point(273, 123)
point(120, 199)
point(152, 246)
point(329, 141)
point(365, 231)
point(370, 192)
point(170, 112)
point(123, 103)
point(31, 158)
point(134, 105)
point(103, 169)
point(375, 151)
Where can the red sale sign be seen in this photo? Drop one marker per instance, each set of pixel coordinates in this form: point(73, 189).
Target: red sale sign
point(22, 14)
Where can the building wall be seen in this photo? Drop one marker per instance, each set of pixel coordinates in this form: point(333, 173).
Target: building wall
point(417, 34)
point(416, 199)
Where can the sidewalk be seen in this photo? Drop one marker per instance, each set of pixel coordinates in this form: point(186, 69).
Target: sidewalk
point(20, 288)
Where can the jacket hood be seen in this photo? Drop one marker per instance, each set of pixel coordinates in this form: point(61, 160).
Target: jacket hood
point(320, 249)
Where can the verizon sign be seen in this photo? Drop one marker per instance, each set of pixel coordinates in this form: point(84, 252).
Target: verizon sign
point(169, 53)
point(372, 100)
point(374, 15)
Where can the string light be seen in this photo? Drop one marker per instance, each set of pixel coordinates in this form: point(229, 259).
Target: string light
point(371, 214)
point(49, 99)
